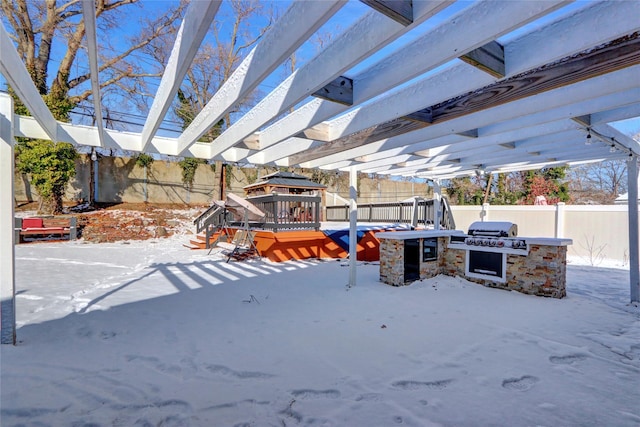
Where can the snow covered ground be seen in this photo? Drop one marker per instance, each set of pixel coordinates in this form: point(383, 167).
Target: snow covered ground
point(151, 334)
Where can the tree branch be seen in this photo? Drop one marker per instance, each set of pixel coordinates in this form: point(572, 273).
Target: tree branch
point(86, 94)
point(72, 83)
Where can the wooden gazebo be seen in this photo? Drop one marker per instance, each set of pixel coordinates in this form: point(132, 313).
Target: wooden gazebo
point(284, 183)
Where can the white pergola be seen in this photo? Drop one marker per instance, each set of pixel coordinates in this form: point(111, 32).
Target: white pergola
point(497, 86)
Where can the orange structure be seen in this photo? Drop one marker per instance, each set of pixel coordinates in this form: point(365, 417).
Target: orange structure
point(312, 244)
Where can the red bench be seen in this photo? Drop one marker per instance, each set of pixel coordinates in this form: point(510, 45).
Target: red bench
point(45, 227)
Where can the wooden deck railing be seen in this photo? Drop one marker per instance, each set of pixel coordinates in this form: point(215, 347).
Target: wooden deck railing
point(297, 212)
point(288, 211)
point(421, 212)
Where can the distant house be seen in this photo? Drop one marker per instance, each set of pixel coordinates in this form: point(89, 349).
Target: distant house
point(284, 183)
point(622, 199)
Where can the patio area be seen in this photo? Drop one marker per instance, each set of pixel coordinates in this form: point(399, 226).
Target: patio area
point(146, 333)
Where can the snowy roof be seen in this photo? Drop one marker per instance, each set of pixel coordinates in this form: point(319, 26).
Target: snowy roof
point(286, 179)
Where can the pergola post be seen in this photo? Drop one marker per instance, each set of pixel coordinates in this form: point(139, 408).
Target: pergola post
point(634, 261)
point(559, 232)
point(353, 225)
point(437, 196)
point(7, 237)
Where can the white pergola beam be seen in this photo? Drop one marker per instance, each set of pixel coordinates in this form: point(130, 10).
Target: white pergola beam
point(297, 24)
point(546, 159)
point(28, 127)
point(193, 29)
point(634, 252)
point(442, 147)
point(560, 145)
point(89, 15)
point(459, 34)
point(535, 56)
point(521, 128)
point(613, 115)
point(426, 91)
point(620, 83)
point(372, 32)
point(484, 151)
point(14, 70)
point(619, 137)
point(282, 151)
point(7, 235)
point(595, 24)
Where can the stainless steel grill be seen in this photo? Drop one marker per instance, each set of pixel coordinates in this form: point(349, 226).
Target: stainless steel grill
point(493, 229)
point(491, 236)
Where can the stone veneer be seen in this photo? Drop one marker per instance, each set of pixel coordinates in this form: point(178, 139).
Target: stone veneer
point(392, 262)
point(542, 272)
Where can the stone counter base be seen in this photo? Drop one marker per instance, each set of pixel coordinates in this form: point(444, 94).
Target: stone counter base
point(541, 273)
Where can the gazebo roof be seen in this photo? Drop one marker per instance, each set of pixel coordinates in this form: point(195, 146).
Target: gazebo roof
point(285, 179)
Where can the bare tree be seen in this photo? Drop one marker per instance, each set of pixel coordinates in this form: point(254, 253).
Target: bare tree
point(42, 29)
point(598, 182)
point(39, 26)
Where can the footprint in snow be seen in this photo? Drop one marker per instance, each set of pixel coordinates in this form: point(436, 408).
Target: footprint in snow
point(520, 384)
point(416, 385)
point(243, 375)
point(316, 394)
point(567, 360)
point(369, 397)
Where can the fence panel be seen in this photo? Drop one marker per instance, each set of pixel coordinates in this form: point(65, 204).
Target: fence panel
point(599, 232)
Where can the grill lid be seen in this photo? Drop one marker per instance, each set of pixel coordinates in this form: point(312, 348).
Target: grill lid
point(493, 229)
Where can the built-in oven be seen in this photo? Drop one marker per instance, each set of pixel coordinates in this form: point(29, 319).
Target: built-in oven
point(486, 265)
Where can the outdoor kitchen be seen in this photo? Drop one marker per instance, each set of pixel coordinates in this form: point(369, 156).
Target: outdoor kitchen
point(491, 254)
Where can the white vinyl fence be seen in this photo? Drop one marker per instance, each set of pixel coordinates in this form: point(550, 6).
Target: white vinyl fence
point(599, 232)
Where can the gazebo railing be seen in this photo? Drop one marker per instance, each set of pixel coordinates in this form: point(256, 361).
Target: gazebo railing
point(288, 211)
